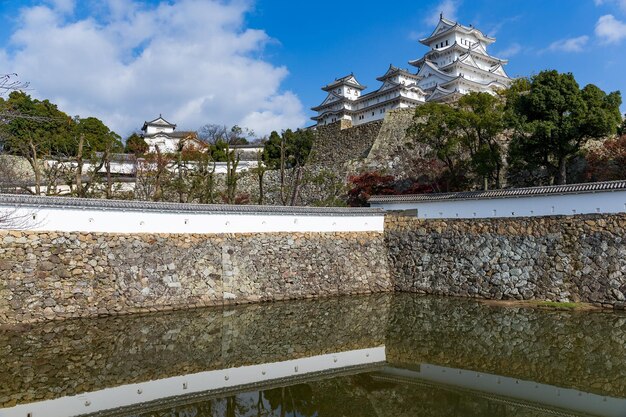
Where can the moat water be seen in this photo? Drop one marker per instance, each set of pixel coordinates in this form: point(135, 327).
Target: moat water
point(381, 355)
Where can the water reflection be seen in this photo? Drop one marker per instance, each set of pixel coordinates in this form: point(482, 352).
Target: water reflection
point(322, 358)
point(362, 395)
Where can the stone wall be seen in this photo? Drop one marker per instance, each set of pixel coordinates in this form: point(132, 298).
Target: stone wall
point(392, 151)
point(340, 150)
point(319, 186)
point(561, 258)
point(47, 275)
point(337, 143)
point(52, 275)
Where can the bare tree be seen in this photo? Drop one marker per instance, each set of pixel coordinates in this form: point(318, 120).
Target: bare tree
point(260, 170)
point(12, 219)
point(13, 177)
point(232, 162)
point(9, 82)
point(152, 175)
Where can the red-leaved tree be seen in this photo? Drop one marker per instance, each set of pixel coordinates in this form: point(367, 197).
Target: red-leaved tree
point(607, 162)
point(368, 184)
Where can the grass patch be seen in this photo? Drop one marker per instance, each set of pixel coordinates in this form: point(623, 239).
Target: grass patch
point(545, 305)
point(559, 305)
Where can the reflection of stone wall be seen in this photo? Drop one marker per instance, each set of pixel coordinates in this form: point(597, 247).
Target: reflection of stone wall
point(46, 275)
point(566, 349)
point(304, 328)
point(561, 258)
point(56, 359)
point(583, 351)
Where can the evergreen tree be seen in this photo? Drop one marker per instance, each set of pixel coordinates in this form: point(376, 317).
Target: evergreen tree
point(554, 118)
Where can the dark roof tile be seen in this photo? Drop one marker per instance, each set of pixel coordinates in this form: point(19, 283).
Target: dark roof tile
point(505, 193)
point(128, 205)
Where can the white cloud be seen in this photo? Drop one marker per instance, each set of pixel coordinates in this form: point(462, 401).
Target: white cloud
point(512, 50)
point(569, 45)
point(194, 61)
point(449, 9)
point(620, 3)
point(610, 30)
point(63, 6)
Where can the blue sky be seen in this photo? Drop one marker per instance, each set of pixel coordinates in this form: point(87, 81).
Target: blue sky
point(324, 43)
point(262, 63)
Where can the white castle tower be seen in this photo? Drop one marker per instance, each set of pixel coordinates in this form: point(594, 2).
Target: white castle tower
point(457, 63)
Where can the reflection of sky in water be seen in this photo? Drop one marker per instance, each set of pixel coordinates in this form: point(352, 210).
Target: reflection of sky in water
point(444, 358)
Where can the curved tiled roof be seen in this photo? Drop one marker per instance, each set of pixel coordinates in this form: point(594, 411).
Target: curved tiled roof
point(505, 193)
point(127, 205)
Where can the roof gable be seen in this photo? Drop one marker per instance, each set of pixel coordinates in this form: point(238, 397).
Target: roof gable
point(331, 98)
point(349, 79)
point(159, 122)
point(387, 85)
point(429, 70)
point(469, 60)
point(499, 70)
point(478, 47)
point(443, 26)
point(438, 93)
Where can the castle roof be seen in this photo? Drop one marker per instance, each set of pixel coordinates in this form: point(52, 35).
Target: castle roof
point(505, 193)
point(440, 93)
point(159, 122)
point(177, 135)
point(332, 99)
point(464, 63)
point(393, 70)
point(344, 110)
point(476, 51)
point(430, 67)
point(349, 79)
point(446, 26)
point(476, 84)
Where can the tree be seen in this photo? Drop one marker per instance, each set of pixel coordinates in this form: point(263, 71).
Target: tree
point(14, 219)
point(260, 170)
point(437, 126)
point(288, 151)
point(330, 187)
point(608, 161)
point(235, 136)
point(96, 143)
point(481, 118)
point(38, 130)
point(136, 144)
point(272, 151)
point(153, 175)
point(368, 184)
point(222, 143)
point(554, 118)
point(10, 82)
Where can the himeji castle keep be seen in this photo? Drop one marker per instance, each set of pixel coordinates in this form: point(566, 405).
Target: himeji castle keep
point(457, 63)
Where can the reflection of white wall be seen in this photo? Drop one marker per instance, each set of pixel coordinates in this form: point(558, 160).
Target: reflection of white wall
point(127, 220)
point(131, 394)
point(533, 392)
point(549, 205)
